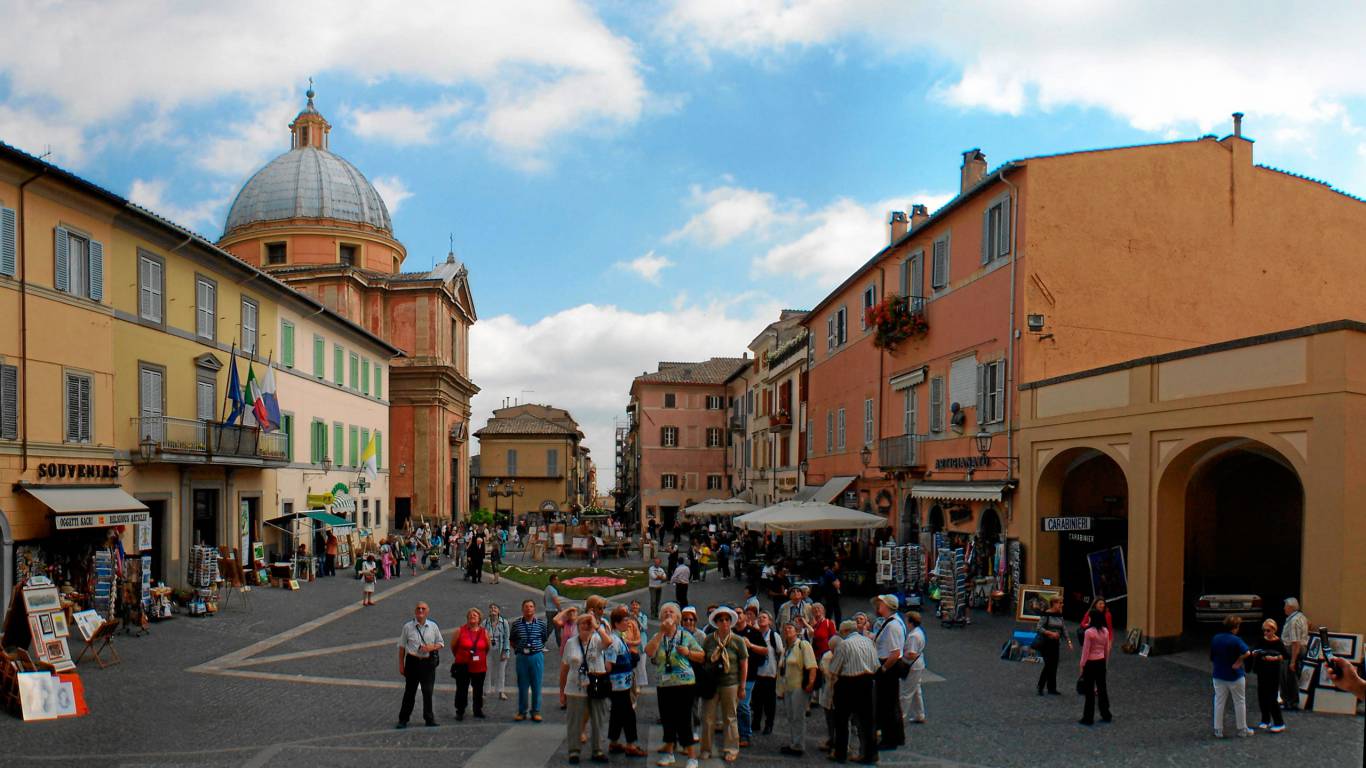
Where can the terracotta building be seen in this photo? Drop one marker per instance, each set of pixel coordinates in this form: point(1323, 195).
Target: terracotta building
point(312, 220)
point(680, 428)
point(532, 460)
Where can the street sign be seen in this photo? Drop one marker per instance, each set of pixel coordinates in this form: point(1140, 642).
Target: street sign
point(1055, 524)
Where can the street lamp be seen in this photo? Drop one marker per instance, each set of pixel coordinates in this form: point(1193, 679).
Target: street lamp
point(147, 448)
point(509, 489)
point(983, 440)
point(865, 456)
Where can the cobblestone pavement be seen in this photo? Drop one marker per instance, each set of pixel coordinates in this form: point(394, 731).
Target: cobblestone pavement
point(310, 677)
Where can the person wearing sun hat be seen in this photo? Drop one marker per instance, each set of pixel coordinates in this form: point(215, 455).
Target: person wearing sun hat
point(725, 648)
point(890, 639)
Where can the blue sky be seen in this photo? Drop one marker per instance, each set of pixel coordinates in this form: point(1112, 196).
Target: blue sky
point(636, 182)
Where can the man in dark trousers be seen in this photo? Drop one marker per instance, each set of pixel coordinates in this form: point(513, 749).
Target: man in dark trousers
point(419, 647)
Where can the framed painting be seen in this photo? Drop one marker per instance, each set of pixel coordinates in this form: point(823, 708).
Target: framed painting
point(59, 625)
point(1109, 579)
point(1309, 673)
point(41, 599)
point(1344, 645)
point(1313, 651)
point(1034, 601)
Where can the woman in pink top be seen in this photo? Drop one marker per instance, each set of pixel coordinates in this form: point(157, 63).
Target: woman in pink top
point(1095, 650)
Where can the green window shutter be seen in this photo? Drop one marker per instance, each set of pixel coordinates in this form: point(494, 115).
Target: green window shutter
point(287, 425)
point(61, 276)
point(355, 371)
point(338, 364)
point(338, 443)
point(379, 449)
point(351, 454)
point(365, 377)
point(364, 441)
point(287, 339)
point(9, 244)
point(319, 357)
point(379, 381)
point(313, 442)
point(96, 272)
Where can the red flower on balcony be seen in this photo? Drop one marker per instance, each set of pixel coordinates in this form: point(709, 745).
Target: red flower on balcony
point(895, 319)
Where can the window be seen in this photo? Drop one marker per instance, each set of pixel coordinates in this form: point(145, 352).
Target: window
point(714, 437)
point(668, 481)
point(829, 333)
point(842, 325)
point(996, 230)
point(839, 430)
point(317, 441)
point(913, 275)
point(829, 431)
point(379, 381)
point(455, 342)
point(9, 402)
point(937, 404)
point(151, 402)
point(810, 436)
point(869, 299)
point(338, 364)
point(353, 453)
point(151, 287)
point(365, 377)
point(364, 443)
point(379, 452)
point(939, 264)
point(287, 343)
point(714, 402)
point(287, 426)
point(868, 422)
point(713, 482)
point(338, 442)
point(275, 253)
point(205, 396)
point(78, 407)
point(908, 415)
point(379, 513)
point(749, 403)
point(346, 254)
point(668, 437)
point(9, 241)
point(552, 462)
point(991, 392)
point(512, 462)
point(355, 371)
point(250, 315)
point(365, 512)
point(79, 265)
point(670, 400)
point(319, 357)
point(206, 308)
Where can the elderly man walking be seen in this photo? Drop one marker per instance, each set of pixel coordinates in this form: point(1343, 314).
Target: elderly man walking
point(419, 646)
point(853, 663)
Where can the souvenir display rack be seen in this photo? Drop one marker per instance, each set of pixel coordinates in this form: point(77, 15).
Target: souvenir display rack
point(204, 580)
point(952, 573)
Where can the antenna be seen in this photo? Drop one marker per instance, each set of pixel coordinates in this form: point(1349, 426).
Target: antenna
point(47, 152)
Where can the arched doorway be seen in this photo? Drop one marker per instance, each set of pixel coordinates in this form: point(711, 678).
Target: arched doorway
point(936, 519)
point(910, 521)
point(1090, 558)
point(989, 526)
point(1230, 522)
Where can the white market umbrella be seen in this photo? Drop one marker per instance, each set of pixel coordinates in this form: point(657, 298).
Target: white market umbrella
point(810, 516)
point(720, 508)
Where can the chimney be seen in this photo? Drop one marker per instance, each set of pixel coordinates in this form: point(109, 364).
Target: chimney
point(898, 226)
point(1238, 124)
point(974, 168)
point(919, 213)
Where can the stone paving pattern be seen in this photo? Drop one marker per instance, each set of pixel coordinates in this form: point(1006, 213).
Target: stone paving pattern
point(154, 710)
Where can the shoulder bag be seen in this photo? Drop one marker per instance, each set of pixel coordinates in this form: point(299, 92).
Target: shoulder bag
point(599, 685)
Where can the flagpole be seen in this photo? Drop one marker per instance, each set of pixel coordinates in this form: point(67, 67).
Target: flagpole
point(232, 358)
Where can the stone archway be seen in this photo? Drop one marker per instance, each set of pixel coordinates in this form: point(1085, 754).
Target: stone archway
point(1088, 483)
point(989, 525)
point(1229, 519)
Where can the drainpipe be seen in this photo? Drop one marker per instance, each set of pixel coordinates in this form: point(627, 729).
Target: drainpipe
point(881, 358)
point(1010, 346)
point(20, 235)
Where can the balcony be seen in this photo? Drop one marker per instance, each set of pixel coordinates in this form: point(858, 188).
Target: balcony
point(902, 452)
point(896, 319)
point(780, 421)
point(199, 441)
point(737, 423)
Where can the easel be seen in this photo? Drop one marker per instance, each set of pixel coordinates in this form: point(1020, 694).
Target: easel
point(101, 641)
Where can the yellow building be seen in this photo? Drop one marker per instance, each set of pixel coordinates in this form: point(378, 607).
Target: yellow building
point(116, 373)
point(532, 461)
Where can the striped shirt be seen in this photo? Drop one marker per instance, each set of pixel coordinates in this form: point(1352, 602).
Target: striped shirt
point(528, 637)
point(856, 655)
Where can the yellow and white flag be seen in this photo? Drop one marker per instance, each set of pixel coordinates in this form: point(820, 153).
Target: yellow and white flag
point(369, 458)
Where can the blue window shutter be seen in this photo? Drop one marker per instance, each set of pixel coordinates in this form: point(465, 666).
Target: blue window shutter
point(8, 243)
point(96, 271)
point(61, 279)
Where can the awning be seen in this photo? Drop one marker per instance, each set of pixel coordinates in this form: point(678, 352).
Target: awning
point(344, 503)
point(319, 515)
point(983, 491)
point(90, 507)
point(832, 489)
point(908, 379)
point(806, 493)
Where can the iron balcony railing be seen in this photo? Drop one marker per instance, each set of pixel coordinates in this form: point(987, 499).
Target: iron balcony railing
point(201, 437)
point(900, 452)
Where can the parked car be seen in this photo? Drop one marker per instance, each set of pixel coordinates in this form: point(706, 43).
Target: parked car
point(1214, 608)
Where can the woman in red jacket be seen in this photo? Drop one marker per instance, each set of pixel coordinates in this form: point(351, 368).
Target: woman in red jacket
point(471, 647)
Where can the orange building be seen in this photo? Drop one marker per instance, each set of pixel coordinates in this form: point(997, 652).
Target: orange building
point(312, 220)
point(1042, 269)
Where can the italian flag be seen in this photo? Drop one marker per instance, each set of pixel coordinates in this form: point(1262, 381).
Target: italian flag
point(255, 400)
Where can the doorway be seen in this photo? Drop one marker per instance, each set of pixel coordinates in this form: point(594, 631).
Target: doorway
point(403, 512)
point(204, 517)
point(156, 514)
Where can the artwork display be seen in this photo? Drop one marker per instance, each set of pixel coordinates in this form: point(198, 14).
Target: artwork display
point(45, 696)
point(87, 624)
point(1344, 645)
point(1309, 671)
point(35, 628)
point(884, 573)
point(45, 620)
point(1108, 576)
point(1034, 601)
point(1325, 679)
point(1314, 650)
point(144, 535)
point(41, 599)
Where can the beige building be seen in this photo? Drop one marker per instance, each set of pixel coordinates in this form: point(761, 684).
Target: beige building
point(1227, 468)
point(532, 461)
point(776, 421)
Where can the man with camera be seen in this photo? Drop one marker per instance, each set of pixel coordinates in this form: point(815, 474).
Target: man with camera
point(419, 648)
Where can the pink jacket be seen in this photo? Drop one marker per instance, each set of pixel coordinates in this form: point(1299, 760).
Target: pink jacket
point(1095, 645)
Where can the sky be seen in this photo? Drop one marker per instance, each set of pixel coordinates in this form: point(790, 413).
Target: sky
point(634, 182)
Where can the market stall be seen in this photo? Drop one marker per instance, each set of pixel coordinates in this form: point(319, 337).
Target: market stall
point(301, 564)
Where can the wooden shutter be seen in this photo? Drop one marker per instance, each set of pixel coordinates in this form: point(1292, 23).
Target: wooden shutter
point(351, 455)
point(982, 371)
point(939, 267)
point(287, 340)
point(205, 399)
point(1003, 229)
point(379, 381)
point(96, 271)
point(338, 365)
point(918, 275)
point(999, 412)
point(830, 332)
point(319, 357)
point(379, 453)
point(9, 402)
point(338, 443)
point(287, 424)
point(937, 404)
point(905, 277)
point(829, 431)
point(61, 248)
point(988, 247)
point(365, 377)
point(9, 244)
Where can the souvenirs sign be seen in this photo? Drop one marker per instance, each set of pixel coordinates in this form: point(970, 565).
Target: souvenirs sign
point(100, 520)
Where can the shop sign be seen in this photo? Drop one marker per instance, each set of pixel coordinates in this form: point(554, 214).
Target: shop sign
point(319, 500)
point(1083, 537)
point(1056, 524)
point(55, 471)
point(962, 462)
point(100, 520)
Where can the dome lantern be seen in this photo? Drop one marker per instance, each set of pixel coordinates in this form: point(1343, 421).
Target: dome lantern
point(310, 128)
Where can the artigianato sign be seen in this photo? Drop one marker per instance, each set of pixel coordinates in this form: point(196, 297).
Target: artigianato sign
point(1056, 524)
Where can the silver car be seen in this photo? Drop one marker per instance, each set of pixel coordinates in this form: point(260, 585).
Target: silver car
point(1214, 608)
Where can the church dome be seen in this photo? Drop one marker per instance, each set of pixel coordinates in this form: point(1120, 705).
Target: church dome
point(309, 182)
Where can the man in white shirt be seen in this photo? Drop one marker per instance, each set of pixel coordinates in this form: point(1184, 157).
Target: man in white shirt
point(890, 639)
point(681, 577)
point(914, 652)
point(658, 578)
point(419, 645)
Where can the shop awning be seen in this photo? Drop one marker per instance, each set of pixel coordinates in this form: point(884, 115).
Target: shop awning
point(984, 491)
point(326, 518)
point(344, 503)
point(90, 507)
point(832, 489)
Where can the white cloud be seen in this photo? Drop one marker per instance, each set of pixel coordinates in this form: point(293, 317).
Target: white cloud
point(402, 124)
point(729, 213)
point(151, 194)
point(647, 267)
point(531, 77)
point(392, 190)
point(1280, 67)
point(38, 134)
point(839, 238)
point(246, 144)
point(587, 355)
